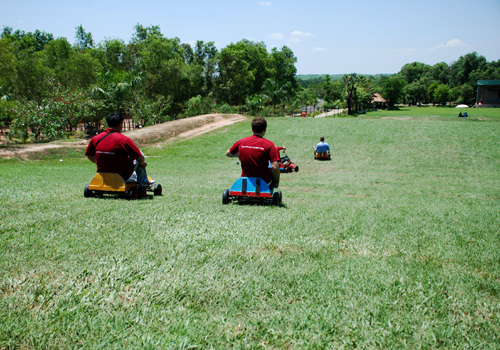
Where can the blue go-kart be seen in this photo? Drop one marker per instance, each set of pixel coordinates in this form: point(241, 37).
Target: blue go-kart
point(251, 189)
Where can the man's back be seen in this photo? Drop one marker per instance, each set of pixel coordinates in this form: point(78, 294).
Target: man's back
point(114, 153)
point(255, 154)
point(322, 147)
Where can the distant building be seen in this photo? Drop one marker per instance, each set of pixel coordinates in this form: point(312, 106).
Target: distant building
point(378, 101)
point(488, 93)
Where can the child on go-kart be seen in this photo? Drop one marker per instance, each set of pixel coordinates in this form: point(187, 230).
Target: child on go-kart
point(284, 160)
point(286, 164)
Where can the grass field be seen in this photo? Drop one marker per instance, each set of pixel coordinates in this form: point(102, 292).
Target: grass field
point(393, 244)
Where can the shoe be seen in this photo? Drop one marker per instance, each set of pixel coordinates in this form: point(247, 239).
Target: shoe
point(149, 182)
point(132, 178)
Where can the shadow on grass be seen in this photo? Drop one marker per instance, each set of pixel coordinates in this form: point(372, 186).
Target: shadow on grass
point(246, 202)
point(108, 196)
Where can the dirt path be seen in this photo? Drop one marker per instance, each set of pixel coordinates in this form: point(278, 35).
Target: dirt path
point(156, 134)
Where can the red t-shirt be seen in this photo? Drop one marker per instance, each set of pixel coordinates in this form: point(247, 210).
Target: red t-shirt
point(255, 153)
point(114, 154)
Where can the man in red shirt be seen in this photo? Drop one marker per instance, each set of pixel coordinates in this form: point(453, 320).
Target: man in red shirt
point(256, 152)
point(114, 152)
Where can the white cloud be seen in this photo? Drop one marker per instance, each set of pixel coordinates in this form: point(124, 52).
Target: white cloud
point(265, 3)
point(452, 44)
point(276, 36)
point(299, 36)
point(317, 49)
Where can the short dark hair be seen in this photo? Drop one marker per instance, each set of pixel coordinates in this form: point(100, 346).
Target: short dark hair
point(259, 125)
point(114, 119)
point(322, 139)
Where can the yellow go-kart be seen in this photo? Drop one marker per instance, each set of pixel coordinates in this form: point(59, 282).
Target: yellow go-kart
point(322, 155)
point(113, 184)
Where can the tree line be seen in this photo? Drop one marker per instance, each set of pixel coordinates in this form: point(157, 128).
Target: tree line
point(416, 83)
point(49, 87)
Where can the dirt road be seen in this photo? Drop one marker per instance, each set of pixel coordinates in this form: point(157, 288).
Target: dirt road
point(156, 134)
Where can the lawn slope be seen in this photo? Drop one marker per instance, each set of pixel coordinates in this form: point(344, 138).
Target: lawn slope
point(394, 243)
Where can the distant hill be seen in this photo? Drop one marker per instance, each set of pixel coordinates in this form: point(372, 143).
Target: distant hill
point(317, 76)
point(333, 77)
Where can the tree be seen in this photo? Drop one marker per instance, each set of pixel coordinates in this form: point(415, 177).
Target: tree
point(415, 92)
point(392, 88)
point(365, 88)
point(350, 92)
point(143, 33)
point(276, 93)
point(243, 69)
point(462, 70)
point(442, 94)
point(33, 41)
point(205, 56)
point(440, 72)
point(466, 94)
point(282, 67)
point(8, 74)
point(414, 71)
point(84, 40)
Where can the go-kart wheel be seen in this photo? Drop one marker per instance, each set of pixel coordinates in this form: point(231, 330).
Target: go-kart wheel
point(132, 194)
point(277, 198)
point(297, 168)
point(86, 192)
point(225, 197)
point(157, 190)
point(141, 192)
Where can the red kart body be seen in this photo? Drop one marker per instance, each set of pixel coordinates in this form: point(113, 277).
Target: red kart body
point(286, 165)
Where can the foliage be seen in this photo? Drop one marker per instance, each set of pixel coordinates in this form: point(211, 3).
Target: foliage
point(442, 94)
point(350, 92)
point(7, 113)
point(56, 116)
point(198, 105)
point(149, 112)
point(392, 88)
point(152, 78)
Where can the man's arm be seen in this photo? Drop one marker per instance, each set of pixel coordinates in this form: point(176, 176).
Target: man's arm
point(276, 173)
point(92, 159)
point(229, 154)
point(142, 162)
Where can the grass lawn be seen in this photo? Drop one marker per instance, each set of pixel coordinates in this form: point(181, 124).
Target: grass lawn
point(394, 243)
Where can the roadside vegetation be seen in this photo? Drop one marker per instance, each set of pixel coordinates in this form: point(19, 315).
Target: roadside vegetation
point(51, 89)
point(392, 244)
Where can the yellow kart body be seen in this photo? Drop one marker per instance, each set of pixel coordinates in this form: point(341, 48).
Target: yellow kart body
point(322, 155)
point(112, 183)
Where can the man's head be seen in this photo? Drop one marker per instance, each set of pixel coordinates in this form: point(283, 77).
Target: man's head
point(259, 125)
point(322, 139)
point(114, 119)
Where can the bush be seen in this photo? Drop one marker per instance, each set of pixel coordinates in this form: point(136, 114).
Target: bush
point(148, 112)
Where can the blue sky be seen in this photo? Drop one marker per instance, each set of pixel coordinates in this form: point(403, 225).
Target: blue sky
point(326, 36)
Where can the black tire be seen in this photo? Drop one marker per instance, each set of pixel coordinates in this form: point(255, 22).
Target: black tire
point(141, 192)
point(132, 194)
point(157, 190)
point(87, 193)
point(277, 198)
point(296, 168)
point(225, 197)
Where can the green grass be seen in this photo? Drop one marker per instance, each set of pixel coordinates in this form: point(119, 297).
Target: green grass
point(392, 244)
